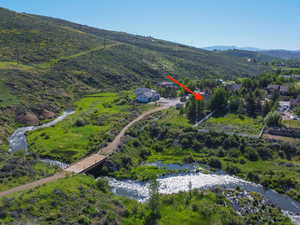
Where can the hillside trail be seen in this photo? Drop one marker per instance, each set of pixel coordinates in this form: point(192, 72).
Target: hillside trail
point(109, 149)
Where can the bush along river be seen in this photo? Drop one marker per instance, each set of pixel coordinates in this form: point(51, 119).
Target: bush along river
point(174, 183)
point(18, 141)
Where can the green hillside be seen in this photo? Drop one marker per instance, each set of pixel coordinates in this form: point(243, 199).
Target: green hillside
point(47, 63)
point(258, 56)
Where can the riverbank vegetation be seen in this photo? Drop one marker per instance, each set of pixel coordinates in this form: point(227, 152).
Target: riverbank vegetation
point(18, 168)
point(97, 119)
point(81, 199)
point(275, 165)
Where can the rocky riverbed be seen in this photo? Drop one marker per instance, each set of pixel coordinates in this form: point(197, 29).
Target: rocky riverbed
point(174, 183)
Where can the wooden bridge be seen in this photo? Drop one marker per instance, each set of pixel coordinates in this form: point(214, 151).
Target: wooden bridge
point(97, 158)
point(92, 160)
point(86, 164)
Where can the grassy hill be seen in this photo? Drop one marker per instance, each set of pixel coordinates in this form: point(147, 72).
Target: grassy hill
point(283, 54)
point(46, 63)
point(258, 56)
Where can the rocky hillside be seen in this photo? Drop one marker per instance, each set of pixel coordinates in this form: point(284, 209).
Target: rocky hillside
point(45, 63)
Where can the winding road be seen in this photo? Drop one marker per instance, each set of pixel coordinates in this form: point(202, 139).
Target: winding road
point(96, 158)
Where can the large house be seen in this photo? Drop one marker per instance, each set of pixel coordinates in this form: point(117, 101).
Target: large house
point(281, 89)
point(145, 95)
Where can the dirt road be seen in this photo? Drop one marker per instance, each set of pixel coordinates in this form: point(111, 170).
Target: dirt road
point(33, 184)
point(86, 162)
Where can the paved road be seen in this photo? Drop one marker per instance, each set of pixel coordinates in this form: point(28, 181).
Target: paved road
point(93, 159)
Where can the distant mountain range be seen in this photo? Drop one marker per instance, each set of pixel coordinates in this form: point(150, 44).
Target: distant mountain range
point(278, 53)
point(230, 47)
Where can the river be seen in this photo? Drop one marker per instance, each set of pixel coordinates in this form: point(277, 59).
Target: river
point(18, 141)
point(175, 183)
point(169, 184)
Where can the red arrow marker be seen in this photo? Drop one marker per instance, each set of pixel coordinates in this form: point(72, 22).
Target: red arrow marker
point(197, 96)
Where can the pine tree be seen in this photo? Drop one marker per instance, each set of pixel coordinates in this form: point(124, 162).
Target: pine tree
point(153, 204)
point(195, 110)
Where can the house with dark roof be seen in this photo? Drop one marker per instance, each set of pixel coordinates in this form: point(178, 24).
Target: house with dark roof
point(273, 88)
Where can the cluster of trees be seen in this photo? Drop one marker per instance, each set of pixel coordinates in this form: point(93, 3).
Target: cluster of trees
point(248, 100)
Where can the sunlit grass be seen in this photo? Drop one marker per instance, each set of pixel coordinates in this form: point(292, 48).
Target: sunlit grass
point(235, 123)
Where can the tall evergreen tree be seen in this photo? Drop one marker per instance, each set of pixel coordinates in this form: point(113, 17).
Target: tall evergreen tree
point(195, 110)
point(219, 101)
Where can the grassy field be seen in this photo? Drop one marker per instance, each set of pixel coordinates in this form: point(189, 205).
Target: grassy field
point(291, 123)
point(173, 117)
point(234, 123)
point(97, 119)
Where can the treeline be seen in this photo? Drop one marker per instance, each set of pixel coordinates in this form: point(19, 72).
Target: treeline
point(233, 154)
point(248, 99)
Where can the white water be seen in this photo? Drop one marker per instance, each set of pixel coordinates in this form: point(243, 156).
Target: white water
point(55, 163)
point(176, 183)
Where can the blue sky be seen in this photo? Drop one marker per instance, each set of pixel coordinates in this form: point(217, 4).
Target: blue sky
point(257, 23)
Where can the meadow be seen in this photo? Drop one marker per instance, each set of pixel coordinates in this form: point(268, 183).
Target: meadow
point(234, 124)
point(98, 118)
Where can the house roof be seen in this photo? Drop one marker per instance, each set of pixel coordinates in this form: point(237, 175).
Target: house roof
point(236, 87)
point(284, 88)
point(273, 86)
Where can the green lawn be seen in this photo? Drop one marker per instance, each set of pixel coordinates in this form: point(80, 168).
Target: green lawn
point(97, 119)
point(292, 123)
point(173, 117)
point(234, 123)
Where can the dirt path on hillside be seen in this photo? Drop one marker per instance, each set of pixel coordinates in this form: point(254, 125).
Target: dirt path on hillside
point(84, 163)
point(33, 184)
point(111, 147)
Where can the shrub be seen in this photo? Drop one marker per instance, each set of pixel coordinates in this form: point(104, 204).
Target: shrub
point(80, 122)
point(216, 163)
point(273, 119)
point(253, 177)
point(84, 220)
point(233, 170)
point(252, 155)
point(102, 185)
